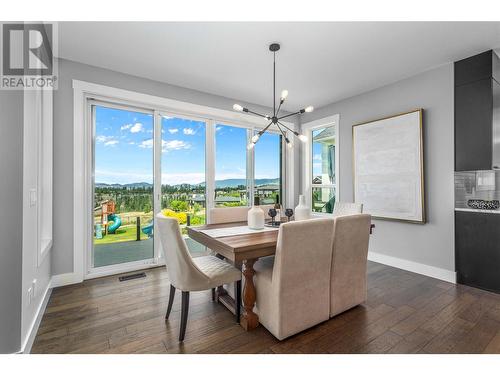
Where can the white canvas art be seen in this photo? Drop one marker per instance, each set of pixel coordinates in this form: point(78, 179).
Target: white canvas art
point(388, 167)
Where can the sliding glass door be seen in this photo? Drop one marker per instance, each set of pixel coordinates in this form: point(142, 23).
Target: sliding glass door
point(123, 203)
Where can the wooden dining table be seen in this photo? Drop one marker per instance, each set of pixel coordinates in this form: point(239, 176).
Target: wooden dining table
point(243, 250)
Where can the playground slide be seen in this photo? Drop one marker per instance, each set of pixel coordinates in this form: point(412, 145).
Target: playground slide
point(117, 221)
point(148, 229)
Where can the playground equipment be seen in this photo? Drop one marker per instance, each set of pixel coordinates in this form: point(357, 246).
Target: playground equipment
point(148, 229)
point(108, 215)
point(117, 222)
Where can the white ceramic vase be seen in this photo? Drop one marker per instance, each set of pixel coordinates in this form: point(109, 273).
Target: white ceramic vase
point(256, 218)
point(302, 211)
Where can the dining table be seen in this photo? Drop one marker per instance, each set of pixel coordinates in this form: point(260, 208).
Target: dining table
point(242, 247)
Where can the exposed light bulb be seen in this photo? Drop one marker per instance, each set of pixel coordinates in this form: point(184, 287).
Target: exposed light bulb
point(267, 117)
point(289, 145)
point(250, 146)
point(255, 138)
point(284, 94)
point(309, 109)
point(238, 107)
point(303, 137)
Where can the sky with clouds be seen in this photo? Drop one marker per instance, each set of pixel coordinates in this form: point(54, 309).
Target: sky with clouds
point(124, 150)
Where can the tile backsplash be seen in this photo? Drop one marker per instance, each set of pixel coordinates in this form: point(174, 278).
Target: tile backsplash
point(476, 185)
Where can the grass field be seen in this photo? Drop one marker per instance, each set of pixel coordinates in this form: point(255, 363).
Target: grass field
point(122, 234)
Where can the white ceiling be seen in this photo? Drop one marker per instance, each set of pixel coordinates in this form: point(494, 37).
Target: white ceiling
point(319, 63)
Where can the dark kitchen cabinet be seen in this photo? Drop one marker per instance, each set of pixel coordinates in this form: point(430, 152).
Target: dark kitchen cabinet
point(473, 126)
point(477, 249)
point(476, 119)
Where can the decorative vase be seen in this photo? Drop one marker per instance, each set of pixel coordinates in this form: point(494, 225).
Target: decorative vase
point(256, 217)
point(302, 211)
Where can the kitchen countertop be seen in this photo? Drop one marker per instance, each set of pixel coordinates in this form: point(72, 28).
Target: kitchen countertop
point(478, 210)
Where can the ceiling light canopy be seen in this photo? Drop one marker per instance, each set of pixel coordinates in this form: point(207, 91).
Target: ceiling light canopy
point(275, 118)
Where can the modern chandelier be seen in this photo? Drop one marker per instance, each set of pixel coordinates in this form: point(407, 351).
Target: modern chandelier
point(275, 118)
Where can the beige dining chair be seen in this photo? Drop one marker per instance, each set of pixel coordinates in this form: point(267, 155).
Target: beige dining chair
point(192, 274)
point(223, 215)
point(349, 260)
point(347, 208)
point(293, 288)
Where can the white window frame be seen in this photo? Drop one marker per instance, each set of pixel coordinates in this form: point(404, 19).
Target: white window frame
point(307, 161)
point(82, 154)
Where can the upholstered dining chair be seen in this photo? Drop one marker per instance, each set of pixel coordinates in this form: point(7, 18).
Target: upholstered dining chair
point(293, 288)
point(349, 260)
point(192, 274)
point(222, 215)
point(347, 208)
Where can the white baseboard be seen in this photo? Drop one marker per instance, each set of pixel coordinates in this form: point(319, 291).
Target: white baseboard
point(28, 341)
point(423, 269)
point(65, 279)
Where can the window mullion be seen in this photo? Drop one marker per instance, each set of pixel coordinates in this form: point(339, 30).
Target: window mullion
point(209, 168)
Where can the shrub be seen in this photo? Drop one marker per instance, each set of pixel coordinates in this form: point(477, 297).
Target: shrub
point(179, 205)
point(180, 216)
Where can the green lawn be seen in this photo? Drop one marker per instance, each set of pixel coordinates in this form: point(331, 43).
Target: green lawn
point(122, 234)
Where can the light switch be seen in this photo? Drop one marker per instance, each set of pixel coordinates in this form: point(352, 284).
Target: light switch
point(32, 197)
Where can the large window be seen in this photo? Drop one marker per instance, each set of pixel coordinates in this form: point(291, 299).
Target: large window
point(322, 165)
point(267, 179)
point(183, 180)
point(231, 188)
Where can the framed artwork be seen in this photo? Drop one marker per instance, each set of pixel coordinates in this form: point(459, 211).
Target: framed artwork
point(388, 167)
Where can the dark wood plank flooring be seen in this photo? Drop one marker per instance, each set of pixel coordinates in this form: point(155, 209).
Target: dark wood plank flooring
point(404, 313)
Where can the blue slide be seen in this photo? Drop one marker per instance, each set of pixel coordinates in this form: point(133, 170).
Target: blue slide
point(116, 223)
point(148, 229)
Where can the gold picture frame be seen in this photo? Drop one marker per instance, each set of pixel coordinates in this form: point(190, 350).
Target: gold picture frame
point(421, 214)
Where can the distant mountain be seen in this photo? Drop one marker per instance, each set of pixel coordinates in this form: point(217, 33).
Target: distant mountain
point(235, 182)
point(231, 182)
point(134, 185)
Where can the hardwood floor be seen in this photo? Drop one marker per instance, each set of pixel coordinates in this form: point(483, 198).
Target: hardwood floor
point(404, 313)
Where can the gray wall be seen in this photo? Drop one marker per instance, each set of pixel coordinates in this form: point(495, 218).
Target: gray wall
point(62, 252)
point(433, 243)
point(11, 223)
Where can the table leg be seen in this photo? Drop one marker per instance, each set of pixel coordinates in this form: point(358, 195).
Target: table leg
point(250, 319)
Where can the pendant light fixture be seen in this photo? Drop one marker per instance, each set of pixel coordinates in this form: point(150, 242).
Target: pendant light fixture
point(275, 118)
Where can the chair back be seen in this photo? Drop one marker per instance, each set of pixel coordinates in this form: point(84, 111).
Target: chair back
point(182, 271)
point(349, 259)
point(301, 273)
point(347, 208)
point(222, 215)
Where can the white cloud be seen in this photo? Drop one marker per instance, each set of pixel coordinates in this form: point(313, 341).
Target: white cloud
point(148, 143)
point(174, 145)
point(167, 145)
point(188, 131)
point(182, 178)
point(173, 130)
point(107, 140)
point(122, 177)
point(125, 127)
point(136, 128)
point(317, 157)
